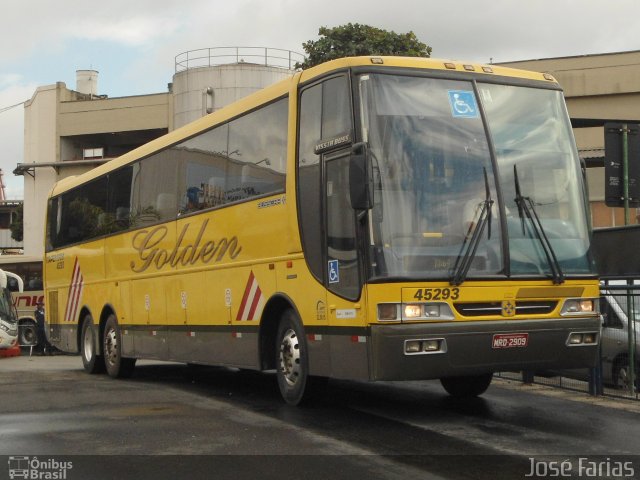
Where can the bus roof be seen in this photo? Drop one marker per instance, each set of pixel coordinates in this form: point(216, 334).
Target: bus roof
point(423, 63)
point(281, 88)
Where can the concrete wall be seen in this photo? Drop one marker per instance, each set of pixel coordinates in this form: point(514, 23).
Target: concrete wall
point(40, 146)
point(114, 114)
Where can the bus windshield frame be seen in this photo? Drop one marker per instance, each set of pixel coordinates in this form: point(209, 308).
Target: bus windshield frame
point(449, 156)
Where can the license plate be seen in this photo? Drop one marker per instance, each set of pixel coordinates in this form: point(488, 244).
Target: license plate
point(510, 340)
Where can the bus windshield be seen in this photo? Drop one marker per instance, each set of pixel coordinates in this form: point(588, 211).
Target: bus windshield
point(475, 173)
point(7, 311)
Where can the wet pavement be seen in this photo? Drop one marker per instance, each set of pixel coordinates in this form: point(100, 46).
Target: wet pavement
point(174, 421)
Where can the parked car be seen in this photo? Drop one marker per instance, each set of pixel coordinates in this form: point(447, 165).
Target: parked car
point(615, 338)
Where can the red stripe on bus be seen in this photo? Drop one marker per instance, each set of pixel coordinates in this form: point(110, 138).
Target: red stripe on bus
point(245, 297)
point(254, 305)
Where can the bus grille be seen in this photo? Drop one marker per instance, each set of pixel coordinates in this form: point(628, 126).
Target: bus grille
point(481, 309)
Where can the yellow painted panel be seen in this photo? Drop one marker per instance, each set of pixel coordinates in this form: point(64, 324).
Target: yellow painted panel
point(308, 295)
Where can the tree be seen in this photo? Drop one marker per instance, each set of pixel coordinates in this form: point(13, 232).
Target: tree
point(16, 226)
point(355, 39)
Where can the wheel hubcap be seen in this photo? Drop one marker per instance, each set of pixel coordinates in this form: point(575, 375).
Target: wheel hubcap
point(29, 335)
point(111, 346)
point(623, 377)
point(88, 344)
point(290, 357)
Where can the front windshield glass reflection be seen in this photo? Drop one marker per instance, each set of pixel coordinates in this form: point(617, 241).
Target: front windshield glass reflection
point(531, 132)
point(430, 154)
point(7, 312)
point(433, 175)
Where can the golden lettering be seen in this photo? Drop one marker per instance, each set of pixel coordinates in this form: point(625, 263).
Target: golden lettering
point(147, 243)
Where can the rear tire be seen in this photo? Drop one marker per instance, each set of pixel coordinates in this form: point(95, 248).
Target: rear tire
point(117, 366)
point(92, 362)
point(28, 336)
point(468, 386)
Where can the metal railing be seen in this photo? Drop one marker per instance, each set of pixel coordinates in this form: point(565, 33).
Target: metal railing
point(211, 57)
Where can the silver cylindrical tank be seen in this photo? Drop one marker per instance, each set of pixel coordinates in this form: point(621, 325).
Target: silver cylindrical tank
point(87, 82)
point(208, 79)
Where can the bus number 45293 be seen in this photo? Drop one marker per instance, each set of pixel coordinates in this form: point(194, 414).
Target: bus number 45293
point(426, 294)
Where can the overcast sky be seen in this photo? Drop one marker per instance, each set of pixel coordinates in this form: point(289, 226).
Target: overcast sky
point(133, 43)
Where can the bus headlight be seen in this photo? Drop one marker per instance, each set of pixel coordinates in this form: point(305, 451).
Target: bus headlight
point(582, 339)
point(389, 312)
point(578, 306)
point(432, 310)
point(425, 346)
point(412, 311)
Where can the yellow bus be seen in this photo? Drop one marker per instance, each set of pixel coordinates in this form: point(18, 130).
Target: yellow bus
point(371, 218)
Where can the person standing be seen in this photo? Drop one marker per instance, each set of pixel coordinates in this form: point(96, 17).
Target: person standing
point(47, 348)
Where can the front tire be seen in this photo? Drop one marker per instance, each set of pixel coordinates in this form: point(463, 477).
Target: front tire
point(468, 386)
point(292, 359)
point(91, 361)
point(117, 366)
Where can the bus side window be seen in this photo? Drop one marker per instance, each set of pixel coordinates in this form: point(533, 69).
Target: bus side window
point(155, 199)
point(204, 167)
point(237, 161)
point(119, 207)
point(259, 140)
point(85, 213)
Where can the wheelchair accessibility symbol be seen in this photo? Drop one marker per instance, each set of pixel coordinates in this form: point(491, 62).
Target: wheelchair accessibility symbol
point(334, 272)
point(463, 104)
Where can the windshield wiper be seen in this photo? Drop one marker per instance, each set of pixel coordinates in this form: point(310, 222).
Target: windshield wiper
point(526, 209)
point(470, 245)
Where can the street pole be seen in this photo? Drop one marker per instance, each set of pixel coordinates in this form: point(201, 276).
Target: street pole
point(625, 172)
point(631, 337)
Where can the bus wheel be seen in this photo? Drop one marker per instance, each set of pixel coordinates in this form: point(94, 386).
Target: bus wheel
point(91, 361)
point(28, 336)
point(467, 387)
point(291, 359)
point(116, 365)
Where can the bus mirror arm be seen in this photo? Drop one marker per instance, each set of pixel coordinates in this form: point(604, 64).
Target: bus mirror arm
point(360, 178)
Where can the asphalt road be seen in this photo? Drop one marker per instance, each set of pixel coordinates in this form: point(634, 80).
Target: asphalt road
point(172, 421)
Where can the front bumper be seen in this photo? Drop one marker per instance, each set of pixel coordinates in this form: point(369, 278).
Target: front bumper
point(469, 348)
point(7, 341)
